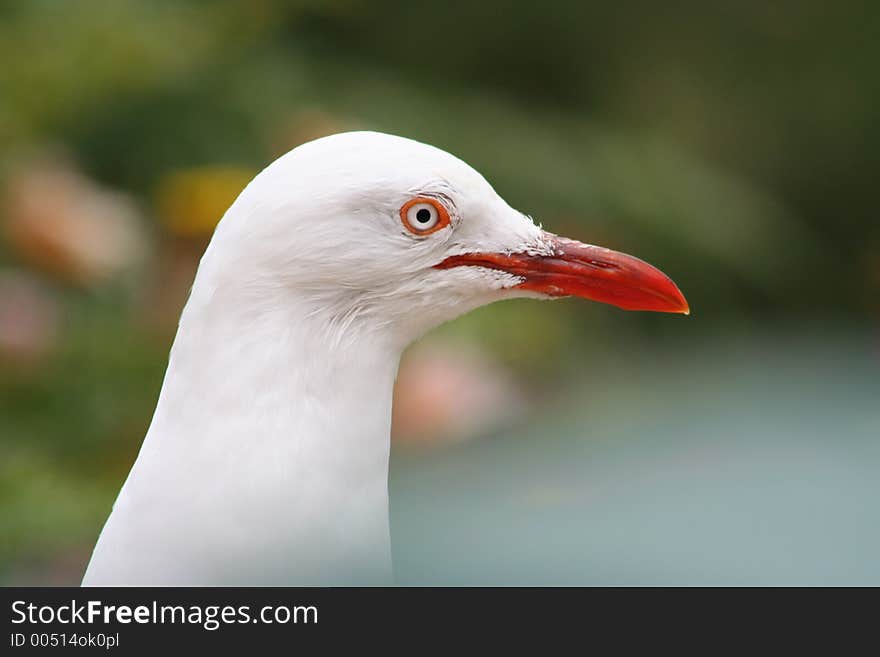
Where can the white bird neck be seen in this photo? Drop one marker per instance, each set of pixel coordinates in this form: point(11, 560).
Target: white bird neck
point(270, 441)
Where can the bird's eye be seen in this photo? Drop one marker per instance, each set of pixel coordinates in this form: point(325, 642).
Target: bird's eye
point(424, 215)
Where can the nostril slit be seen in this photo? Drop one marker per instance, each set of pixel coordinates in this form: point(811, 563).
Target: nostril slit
point(598, 264)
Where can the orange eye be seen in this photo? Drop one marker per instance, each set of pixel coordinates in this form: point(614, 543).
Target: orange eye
point(423, 215)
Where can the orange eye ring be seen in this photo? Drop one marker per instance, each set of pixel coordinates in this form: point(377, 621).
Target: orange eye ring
point(424, 215)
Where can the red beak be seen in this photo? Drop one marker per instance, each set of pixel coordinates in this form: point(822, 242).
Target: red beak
point(586, 271)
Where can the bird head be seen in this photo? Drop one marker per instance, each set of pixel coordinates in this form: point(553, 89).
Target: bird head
point(381, 230)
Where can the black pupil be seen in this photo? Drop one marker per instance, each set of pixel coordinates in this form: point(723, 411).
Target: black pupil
point(423, 216)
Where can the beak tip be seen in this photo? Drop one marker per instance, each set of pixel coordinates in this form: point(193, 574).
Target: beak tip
point(685, 308)
point(681, 307)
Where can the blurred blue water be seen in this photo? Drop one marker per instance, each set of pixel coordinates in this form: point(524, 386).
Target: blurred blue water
point(741, 462)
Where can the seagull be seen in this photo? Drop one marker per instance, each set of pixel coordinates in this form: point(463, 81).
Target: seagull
point(266, 461)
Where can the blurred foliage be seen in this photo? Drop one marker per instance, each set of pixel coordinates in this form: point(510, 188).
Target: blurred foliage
point(735, 145)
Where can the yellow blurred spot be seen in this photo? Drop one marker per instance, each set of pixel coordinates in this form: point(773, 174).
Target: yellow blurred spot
point(191, 202)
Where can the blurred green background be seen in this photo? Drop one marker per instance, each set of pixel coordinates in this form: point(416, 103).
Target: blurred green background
point(734, 145)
